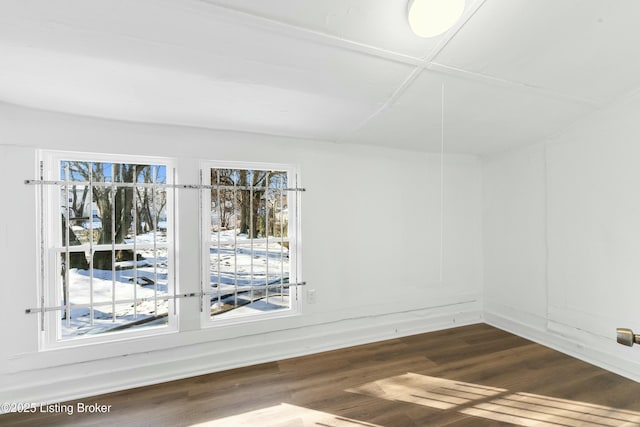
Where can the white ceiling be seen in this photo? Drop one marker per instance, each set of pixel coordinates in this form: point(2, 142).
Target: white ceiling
point(512, 71)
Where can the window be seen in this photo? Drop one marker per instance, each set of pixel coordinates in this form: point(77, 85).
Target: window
point(250, 245)
point(107, 242)
point(108, 246)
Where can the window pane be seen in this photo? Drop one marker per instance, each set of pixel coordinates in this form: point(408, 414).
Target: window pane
point(249, 250)
point(87, 287)
point(125, 258)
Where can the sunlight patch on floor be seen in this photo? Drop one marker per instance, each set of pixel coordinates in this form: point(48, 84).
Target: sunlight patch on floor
point(523, 409)
point(285, 415)
point(427, 391)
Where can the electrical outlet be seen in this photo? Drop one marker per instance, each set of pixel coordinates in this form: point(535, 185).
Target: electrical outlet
point(311, 296)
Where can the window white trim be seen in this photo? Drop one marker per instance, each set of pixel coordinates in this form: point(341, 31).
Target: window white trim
point(49, 238)
point(293, 238)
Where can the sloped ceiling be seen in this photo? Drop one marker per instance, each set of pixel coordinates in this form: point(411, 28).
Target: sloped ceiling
point(510, 73)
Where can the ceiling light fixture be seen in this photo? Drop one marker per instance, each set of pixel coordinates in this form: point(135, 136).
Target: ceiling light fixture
point(429, 18)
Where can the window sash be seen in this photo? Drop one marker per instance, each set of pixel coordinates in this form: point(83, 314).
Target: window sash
point(54, 250)
point(274, 281)
point(61, 250)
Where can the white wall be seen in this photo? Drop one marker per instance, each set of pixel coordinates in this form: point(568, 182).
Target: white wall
point(371, 249)
point(515, 235)
point(562, 246)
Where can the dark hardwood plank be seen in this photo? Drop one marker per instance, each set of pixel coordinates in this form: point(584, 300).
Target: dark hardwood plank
point(469, 376)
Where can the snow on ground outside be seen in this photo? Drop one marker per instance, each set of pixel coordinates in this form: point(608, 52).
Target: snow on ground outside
point(234, 286)
point(245, 270)
point(103, 287)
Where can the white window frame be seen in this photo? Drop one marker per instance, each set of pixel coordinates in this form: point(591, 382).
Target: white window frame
point(48, 236)
point(293, 233)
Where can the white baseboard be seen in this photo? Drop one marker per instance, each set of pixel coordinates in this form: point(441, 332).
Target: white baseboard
point(105, 376)
point(571, 341)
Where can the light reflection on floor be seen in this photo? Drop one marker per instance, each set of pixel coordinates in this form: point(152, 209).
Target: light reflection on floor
point(285, 415)
point(523, 409)
point(427, 391)
point(490, 403)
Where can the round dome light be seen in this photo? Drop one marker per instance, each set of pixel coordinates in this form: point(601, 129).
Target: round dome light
point(429, 18)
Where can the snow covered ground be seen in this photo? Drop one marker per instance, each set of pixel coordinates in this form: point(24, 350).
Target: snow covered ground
point(150, 282)
point(251, 275)
point(247, 282)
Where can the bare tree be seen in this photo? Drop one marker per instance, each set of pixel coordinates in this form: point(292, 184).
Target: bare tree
point(78, 203)
point(115, 204)
point(250, 205)
point(222, 199)
point(149, 204)
point(76, 259)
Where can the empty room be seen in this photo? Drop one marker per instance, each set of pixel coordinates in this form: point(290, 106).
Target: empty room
point(320, 213)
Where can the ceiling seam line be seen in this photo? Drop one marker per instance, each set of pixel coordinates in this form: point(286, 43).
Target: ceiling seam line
point(404, 86)
point(324, 38)
point(425, 62)
point(485, 78)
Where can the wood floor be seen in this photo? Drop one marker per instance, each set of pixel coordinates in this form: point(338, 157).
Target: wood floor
point(469, 376)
